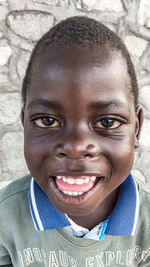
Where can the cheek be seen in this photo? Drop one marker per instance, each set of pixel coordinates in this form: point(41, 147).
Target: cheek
point(34, 151)
point(37, 144)
point(123, 156)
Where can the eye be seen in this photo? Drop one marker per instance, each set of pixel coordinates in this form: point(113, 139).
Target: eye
point(46, 122)
point(108, 123)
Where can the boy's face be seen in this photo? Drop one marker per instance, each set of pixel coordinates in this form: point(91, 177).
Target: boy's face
point(80, 123)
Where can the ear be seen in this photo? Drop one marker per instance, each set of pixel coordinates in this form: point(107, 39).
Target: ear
point(138, 126)
point(22, 116)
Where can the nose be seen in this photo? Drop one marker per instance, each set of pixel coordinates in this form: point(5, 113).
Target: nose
point(77, 148)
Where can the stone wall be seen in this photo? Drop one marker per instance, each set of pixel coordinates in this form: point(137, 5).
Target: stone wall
point(22, 22)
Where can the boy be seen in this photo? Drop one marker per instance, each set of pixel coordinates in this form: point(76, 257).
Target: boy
point(81, 123)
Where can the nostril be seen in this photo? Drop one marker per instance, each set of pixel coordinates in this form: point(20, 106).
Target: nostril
point(75, 150)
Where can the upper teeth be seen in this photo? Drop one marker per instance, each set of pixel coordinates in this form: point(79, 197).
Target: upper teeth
point(78, 181)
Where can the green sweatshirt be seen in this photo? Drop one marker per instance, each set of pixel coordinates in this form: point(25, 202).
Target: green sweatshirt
point(21, 245)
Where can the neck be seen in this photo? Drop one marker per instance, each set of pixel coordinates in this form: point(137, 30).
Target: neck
point(99, 214)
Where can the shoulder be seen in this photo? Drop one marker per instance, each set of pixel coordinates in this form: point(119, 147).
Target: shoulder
point(14, 189)
point(143, 187)
point(14, 210)
point(144, 197)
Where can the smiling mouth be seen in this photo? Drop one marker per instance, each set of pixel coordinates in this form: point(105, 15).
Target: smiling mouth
point(77, 186)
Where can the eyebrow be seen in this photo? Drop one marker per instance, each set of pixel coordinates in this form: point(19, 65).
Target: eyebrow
point(46, 103)
point(106, 104)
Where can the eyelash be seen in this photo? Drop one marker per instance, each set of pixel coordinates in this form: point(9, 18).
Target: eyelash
point(54, 123)
point(115, 123)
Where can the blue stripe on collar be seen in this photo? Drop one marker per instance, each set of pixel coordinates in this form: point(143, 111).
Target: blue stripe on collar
point(122, 221)
point(45, 216)
point(124, 218)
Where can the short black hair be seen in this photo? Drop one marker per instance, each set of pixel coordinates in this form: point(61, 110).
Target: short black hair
point(80, 31)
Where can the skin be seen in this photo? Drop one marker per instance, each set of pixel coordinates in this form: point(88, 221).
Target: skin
point(78, 89)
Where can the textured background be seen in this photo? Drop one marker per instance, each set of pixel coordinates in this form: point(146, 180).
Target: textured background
point(22, 22)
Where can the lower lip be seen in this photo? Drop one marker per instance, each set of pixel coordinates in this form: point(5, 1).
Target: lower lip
point(75, 200)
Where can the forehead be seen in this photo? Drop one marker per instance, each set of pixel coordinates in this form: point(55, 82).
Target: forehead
point(78, 58)
point(69, 70)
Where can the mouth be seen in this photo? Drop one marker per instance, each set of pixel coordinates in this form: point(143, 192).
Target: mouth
point(77, 186)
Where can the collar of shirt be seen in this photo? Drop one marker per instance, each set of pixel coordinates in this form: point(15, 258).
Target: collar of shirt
point(122, 221)
point(96, 233)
